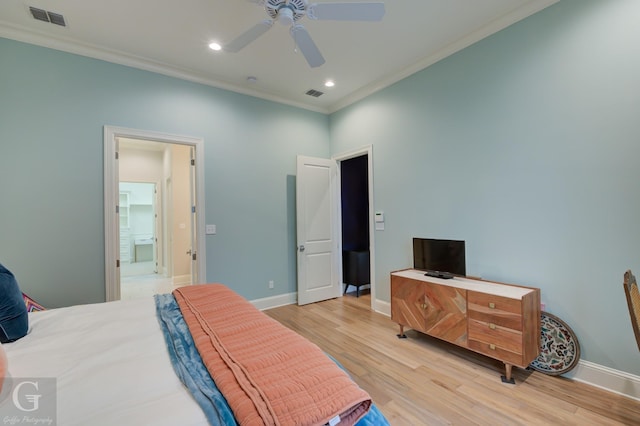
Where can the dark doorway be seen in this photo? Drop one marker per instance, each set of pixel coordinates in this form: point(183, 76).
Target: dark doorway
point(354, 185)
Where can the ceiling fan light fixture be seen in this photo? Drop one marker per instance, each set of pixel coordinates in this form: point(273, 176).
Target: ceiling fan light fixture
point(289, 12)
point(329, 83)
point(285, 16)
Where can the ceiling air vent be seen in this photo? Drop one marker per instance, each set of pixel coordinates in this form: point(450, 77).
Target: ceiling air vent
point(314, 93)
point(46, 16)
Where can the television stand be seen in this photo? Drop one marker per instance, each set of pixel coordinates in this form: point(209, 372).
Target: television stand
point(498, 320)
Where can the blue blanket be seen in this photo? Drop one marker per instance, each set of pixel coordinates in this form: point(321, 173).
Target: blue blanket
point(192, 372)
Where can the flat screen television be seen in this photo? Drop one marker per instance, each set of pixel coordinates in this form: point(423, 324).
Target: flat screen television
point(430, 254)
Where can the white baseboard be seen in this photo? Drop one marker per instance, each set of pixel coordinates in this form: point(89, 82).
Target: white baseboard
point(275, 301)
point(382, 307)
point(602, 377)
point(181, 279)
point(606, 378)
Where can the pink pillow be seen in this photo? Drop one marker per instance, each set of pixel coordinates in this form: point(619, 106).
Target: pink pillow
point(32, 305)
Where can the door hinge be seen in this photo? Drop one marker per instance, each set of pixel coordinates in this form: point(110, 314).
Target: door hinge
point(117, 209)
point(193, 209)
point(117, 263)
point(193, 162)
point(193, 256)
point(117, 155)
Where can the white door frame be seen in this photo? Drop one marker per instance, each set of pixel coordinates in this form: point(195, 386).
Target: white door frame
point(368, 151)
point(111, 193)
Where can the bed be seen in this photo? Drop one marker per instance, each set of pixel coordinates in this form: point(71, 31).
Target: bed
point(114, 363)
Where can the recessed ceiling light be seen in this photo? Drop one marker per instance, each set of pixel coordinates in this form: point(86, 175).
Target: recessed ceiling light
point(329, 83)
point(252, 79)
point(215, 46)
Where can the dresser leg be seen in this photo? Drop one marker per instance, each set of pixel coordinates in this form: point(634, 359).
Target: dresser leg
point(507, 374)
point(401, 335)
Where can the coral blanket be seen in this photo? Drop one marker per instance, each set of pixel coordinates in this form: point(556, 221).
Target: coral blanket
point(269, 374)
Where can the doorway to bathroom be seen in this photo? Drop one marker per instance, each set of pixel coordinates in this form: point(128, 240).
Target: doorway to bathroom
point(140, 238)
point(155, 210)
point(152, 183)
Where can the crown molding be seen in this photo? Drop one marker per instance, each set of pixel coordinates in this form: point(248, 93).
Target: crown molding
point(13, 32)
point(492, 28)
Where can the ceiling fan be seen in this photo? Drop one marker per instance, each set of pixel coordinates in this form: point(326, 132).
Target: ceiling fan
point(289, 12)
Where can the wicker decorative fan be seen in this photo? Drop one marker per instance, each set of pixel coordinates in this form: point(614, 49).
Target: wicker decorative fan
point(559, 347)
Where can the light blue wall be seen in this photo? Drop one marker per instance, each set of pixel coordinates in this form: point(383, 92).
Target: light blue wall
point(526, 145)
point(53, 107)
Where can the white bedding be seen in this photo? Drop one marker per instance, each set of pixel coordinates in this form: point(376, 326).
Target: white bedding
point(111, 364)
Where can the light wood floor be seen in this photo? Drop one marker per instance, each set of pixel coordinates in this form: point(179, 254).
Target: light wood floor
point(138, 280)
point(423, 381)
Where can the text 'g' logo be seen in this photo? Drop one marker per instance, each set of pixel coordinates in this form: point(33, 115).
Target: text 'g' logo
point(33, 399)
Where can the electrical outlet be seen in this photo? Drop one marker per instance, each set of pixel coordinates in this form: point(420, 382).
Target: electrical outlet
point(542, 306)
point(271, 284)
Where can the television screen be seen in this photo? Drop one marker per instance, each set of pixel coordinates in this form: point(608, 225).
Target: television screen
point(431, 254)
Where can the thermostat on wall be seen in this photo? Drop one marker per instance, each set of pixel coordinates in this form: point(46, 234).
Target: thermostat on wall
point(379, 219)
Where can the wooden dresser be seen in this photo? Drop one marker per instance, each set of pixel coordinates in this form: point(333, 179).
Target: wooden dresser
point(499, 320)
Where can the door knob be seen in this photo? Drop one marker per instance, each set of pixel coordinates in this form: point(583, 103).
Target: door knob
point(189, 251)
point(301, 248)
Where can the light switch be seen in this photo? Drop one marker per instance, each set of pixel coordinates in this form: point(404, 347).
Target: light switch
point(210, 229)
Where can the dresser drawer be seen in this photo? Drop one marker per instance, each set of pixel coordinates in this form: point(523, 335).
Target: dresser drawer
point(493, 334)
point(498, 310)
point(496, 352)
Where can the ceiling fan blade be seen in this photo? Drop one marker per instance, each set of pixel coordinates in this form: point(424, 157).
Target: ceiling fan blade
point(346, 11)
point(307, 46)
point(248, 36)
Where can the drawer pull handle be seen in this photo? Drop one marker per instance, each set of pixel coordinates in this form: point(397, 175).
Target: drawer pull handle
point(492, 326)
point(492, 305)
point(492, 347)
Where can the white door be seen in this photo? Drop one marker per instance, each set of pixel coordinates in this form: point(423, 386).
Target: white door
point(316, 211)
